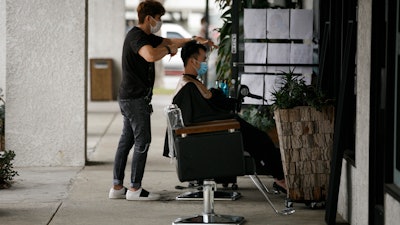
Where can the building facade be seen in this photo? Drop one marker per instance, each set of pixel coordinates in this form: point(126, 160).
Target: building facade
point(44, 64)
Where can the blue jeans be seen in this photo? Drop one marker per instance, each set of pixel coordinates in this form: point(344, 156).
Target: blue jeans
point(136, 131)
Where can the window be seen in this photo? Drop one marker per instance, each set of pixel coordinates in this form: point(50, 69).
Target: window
point(171, 34)
point(396, 149)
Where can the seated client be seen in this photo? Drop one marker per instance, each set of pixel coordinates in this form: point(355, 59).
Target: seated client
point(198, 104)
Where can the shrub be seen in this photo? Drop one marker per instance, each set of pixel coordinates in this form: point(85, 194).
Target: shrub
point(259, 116)
point(6, 169)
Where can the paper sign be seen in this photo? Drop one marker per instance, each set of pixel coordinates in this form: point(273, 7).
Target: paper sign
point(301, 24)
point(272, 83)
point(255, 23)
point(278, 23)
point(255, 53)
point(256, 86)
point(278, 53)
point(301, 54)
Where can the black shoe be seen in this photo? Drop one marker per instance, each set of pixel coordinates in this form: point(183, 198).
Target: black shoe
point(279, 188)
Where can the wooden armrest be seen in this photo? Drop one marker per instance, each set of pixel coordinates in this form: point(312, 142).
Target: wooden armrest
point(209, 126)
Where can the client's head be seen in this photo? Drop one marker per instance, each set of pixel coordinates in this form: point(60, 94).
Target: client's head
point(194, 58)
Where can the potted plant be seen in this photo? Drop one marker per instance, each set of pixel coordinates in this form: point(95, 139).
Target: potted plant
point(305, 123)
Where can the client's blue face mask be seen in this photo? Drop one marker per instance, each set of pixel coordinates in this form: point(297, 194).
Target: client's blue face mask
point(202, 70)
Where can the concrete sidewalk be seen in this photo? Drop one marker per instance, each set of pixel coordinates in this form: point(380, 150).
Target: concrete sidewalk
point(70, 195)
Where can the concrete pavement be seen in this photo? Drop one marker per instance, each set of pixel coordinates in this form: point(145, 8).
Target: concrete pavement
point(74, 195)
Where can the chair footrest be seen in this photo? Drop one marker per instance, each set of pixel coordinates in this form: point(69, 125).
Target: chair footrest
point(212, 219)
point(218, 195)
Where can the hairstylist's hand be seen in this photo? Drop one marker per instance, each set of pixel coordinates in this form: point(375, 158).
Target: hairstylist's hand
point(205, 41)
point(174, 49)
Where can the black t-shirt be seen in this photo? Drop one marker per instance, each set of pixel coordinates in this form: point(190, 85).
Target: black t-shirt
point(137, 74)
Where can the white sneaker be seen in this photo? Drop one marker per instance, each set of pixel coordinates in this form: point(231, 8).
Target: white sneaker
point(141, 195)
point(117, 194)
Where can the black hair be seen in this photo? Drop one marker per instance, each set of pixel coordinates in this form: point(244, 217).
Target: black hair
point(149, 8)
point(191, 49)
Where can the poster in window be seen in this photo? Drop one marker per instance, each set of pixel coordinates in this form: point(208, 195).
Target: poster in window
point(255, 53)
point(301, 24)
point(278, 54)
point(255, 23)
point(255, 83)
point(301, 54)
point(278, 23)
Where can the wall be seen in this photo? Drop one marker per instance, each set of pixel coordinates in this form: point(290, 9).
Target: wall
point(361, 173)
point(46, 82)
point(353, 197)
point(392, 209)
point(346, 192)
point(106, 34)
point(3, 45)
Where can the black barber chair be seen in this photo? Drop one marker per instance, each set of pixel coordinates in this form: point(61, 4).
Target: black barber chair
point(208, 151)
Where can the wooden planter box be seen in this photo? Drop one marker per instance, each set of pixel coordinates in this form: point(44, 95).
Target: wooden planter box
point(306, 143)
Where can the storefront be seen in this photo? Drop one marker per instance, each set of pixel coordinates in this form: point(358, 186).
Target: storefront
point(357, 64)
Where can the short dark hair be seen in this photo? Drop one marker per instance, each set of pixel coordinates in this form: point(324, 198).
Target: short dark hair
point(149, 8)
point(190, 49)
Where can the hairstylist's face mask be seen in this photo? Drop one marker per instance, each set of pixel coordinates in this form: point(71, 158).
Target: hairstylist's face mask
point(157, 27)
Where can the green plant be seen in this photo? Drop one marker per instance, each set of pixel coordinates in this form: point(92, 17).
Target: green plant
point(295, 92)
point(259, 116)
point(223, 65)
point(6, 168)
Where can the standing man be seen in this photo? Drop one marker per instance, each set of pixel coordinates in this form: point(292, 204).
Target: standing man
point(140, 50)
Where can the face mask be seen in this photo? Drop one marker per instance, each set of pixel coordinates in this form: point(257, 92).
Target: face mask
point(202, 70)
point(157, 27)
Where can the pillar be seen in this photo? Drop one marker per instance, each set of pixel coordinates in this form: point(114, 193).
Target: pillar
point(46, 61)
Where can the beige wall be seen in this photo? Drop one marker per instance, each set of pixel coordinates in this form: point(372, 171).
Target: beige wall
point(392, 209)
point(46, 82)
point(361, 174)
point(353, 194)
point(3, 44)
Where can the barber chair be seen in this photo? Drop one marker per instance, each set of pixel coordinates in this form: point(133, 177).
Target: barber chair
point(208, 151)
point(211, 150)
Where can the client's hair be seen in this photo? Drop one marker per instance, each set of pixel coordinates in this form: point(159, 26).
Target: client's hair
point(191, 49)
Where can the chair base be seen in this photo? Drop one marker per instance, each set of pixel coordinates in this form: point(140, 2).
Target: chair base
point(218, 195)
point(211, 219)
